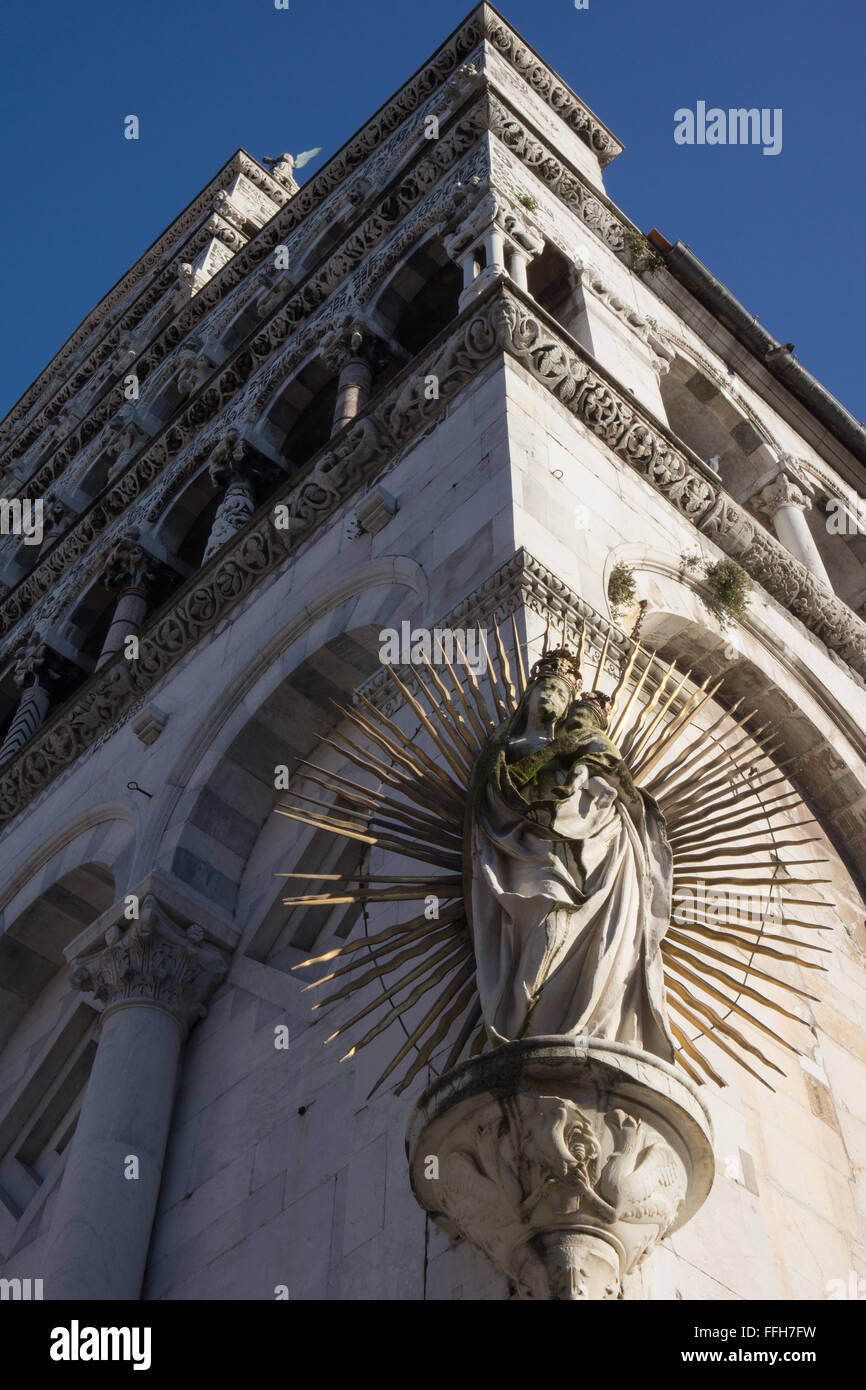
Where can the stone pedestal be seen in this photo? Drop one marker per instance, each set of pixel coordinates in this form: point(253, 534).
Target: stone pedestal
point(562, 1160)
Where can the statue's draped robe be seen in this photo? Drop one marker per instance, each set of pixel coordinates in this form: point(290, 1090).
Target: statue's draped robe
point(570, 891)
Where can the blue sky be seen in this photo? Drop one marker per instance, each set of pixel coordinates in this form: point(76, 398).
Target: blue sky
point(783, 233)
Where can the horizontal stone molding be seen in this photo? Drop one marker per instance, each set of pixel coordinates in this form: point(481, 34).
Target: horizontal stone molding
point(522, 584)
point(570, 373)
point(348, 463)
point(504, 320)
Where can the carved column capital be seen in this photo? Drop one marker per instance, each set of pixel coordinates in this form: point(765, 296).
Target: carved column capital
point(348, 340)
point(27, 669)
point(155, 962)
point(128, 565)
point(228, 459)
point(783, 491)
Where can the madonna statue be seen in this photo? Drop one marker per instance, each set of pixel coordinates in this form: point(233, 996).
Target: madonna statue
point(570, 874)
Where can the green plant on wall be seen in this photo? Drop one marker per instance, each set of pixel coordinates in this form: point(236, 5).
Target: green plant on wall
point(728, 583)
point(528, 202)
point(621, 588)
point(642, 255)
point(731, 587)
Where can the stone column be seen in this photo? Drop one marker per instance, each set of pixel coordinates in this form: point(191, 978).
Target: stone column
point(786, 505)
point(152, 981)
point(469, 266)
point(130, 569)
point(508, 237)
point(349, 353)
point(353, 392)
point(29, 676)
point(519, 267)
point(494, 248)
point(228, 469)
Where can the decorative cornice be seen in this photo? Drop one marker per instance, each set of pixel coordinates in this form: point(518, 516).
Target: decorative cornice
point(484, 23)
point(552, 90)
point(240, 163)
point(523, 584)
point(627, 428)
point(646, 329)
point(599, 214)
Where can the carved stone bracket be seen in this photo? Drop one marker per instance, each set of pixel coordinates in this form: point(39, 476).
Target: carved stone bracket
point(563, 1161)
point(152, 961)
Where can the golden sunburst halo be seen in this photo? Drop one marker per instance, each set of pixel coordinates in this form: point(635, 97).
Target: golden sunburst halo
point(717, 787)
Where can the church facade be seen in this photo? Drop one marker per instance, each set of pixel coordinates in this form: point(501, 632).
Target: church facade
point(443, 386)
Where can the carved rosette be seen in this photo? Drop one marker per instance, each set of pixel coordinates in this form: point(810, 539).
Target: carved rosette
point(152, 962)
point(562, 1160)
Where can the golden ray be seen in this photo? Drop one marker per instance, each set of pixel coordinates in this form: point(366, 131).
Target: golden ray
point(721, 1024)
point(464, 957)
point(487, 720)
point(691, 1050)
point(518, 656)
point(436, 1038)
point(599, 670)
point(618, 725)
point(452, 721)
point(623, 680)
point(443, 939)
point(428, 1020)
point(348, 947)
point(687, 1013)
point(505, 668)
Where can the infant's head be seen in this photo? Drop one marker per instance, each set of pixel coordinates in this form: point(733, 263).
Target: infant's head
point(594, 700)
